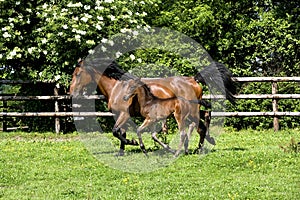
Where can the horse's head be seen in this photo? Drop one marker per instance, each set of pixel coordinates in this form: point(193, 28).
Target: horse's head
point(80, 79)
point(130, 87)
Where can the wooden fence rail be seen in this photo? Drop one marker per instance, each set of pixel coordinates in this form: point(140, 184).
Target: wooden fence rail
point(57, 114)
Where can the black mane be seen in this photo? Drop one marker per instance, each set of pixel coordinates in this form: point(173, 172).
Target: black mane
point(107, 67)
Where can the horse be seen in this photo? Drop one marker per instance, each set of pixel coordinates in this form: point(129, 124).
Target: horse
point(154, 109)
point(106, 73)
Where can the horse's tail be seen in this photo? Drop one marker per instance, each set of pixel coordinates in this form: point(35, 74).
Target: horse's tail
point(219, 78)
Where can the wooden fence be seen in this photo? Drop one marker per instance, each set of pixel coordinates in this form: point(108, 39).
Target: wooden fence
point(57, 113)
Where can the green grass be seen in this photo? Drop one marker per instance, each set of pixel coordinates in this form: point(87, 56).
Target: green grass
point(243, 165)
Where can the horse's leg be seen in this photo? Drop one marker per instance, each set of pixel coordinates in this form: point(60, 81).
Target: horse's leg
point(201, 129)
point(181, 127)
point(207, 118)
point(165, 146)
point(121, 135)
point(189, 134)
point(140, 129)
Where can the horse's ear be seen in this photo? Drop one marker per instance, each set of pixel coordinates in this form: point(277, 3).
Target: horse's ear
point(79, 60)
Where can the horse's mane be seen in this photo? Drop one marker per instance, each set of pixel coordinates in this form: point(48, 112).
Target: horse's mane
point(107, 67)
point(148, 91)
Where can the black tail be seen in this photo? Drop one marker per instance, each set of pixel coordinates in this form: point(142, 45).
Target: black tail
point(219, 78)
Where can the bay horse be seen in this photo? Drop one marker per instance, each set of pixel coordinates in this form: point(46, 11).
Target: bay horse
point(106, 74)
point(154, 109)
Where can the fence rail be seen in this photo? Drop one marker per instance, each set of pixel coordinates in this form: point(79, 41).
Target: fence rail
point(57, 114)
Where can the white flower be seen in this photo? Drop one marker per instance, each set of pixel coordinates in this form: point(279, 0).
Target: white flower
point(104, 40)
point(91, 42)
point(44, 41)
point(17, 2)
point(146, 29)
point(135, 33)
point(112, 18)
point(45, 52)
point(98, 27)
point(85, 19)
point(79, 4)
point(132, 57)
point(30, 50)
point(110, 42)
point(6, 35)
point(99, 7)
point(108, 1)
point(65, 26)
point(77, 37)
point(81, 32)
point(45, 5)
point(103, 48)
point(57, 77)
point(87, 7)
point(118, 54)
point(123, 30)
point(100, 18)
point(4, 29)
point(91, 51)
point(139, 60)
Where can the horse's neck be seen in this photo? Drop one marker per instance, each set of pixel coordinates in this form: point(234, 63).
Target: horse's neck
point(105, 84)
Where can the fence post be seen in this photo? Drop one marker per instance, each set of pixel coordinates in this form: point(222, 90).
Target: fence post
point(4, 123)
point(275, 106)
point(56, 109)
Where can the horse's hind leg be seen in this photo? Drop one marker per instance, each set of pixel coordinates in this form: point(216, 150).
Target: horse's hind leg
point(204, 127)
point(182, 138)
point(189, 134)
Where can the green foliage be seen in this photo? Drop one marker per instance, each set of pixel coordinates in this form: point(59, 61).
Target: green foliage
point(43, 40)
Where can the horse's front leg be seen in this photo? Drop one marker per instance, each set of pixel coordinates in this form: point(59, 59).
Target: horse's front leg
point(121, 134)
point(145, 124)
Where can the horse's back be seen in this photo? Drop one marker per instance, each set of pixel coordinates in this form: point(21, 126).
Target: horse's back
point(173, 86)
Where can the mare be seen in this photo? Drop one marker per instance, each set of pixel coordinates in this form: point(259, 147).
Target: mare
point(154, 109)
point(106, 74)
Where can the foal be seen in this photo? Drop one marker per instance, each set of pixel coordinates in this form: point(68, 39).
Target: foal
point(155, 109)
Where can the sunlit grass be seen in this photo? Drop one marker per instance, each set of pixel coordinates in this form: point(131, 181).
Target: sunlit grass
point(243, 165)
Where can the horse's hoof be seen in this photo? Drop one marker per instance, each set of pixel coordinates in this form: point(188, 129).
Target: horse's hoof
point(120, 153)
point(134, 142)
point(211, 140)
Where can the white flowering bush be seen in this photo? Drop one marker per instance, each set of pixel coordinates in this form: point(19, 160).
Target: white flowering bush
point(42, 40)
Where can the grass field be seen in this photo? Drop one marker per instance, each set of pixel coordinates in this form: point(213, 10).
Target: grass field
point(243, 165)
